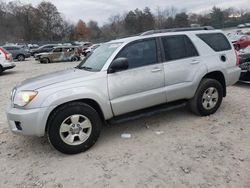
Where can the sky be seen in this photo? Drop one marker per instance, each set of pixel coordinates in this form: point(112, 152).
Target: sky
point(101, 10)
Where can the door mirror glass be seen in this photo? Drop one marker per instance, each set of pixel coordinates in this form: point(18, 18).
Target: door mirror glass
point(118, 64)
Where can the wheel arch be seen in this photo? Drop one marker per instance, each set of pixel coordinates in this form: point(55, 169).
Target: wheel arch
point(219, 76)
point(19, 55)
point(92, 103)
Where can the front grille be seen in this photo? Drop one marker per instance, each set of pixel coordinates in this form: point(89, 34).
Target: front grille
point(245, 66)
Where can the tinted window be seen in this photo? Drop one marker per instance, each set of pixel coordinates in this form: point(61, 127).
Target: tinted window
point(140, 53)
point(217, 41)
point(178, 47)
point(15, 48)
point(58, 50)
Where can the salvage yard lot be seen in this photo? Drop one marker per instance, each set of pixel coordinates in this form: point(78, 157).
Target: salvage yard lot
point(172, 149)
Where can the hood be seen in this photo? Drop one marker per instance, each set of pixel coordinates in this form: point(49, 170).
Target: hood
point(53, 78)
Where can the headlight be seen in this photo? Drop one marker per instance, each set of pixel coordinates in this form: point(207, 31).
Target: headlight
point(23, 98)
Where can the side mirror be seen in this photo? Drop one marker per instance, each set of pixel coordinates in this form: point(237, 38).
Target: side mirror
point(118, 64)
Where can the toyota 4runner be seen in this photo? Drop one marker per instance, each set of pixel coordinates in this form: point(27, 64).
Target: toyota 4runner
point(123, 78)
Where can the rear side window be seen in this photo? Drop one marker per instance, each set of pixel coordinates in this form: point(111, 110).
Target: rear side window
point(178, 47)
point(217, 41)
point(58, 50)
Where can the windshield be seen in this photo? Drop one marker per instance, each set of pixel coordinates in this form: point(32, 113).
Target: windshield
point(96, 60)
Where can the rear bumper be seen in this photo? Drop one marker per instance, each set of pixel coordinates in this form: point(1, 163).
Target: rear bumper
point(233, 75)
point(8, 65)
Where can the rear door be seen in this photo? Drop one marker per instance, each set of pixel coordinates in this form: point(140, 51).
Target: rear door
point(181, 63)
point(57, 54)
point(142, 84)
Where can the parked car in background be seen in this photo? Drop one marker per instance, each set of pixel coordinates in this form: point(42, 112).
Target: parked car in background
point(44, 48)
point(33, 46)
point(84, 47)
point(122, 76)
point(59, 53)
point(17, 52)
point(6, 61)
point(244, 58)
point(91, 49)
point(242, 42)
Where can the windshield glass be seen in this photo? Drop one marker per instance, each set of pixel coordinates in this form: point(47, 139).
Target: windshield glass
point(96, 60)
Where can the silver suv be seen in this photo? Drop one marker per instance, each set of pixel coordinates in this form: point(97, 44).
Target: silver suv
point(149, 72)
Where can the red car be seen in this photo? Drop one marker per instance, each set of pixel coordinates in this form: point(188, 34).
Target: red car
point(243, 42)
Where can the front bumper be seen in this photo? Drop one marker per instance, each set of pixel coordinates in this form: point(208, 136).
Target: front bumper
point(27, 55)
point(27, 121)
point(245, 72)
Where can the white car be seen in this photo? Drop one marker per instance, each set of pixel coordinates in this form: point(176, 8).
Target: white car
point(91, 49)
point(6, 61)
point(123, 80)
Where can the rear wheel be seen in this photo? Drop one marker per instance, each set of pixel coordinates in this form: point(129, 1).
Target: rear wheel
point(74, 58)
point(1, 69)
point(208, 97)
point(20, 57)
point(45, 60)
point(74, 128)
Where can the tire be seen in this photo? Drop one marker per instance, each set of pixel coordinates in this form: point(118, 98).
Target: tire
point(1, 69)
point(66, 138)
point(208, 97)
point(20, 57)
point(45, 60)
point(74, 59)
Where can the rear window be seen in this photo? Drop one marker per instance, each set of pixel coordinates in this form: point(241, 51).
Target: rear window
point(217, 41)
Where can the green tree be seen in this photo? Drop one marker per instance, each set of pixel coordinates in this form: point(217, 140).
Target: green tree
point(217, 17)
point(181, 20)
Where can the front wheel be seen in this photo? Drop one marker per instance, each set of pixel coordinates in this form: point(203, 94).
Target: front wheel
point(74, 59)
point(74, 128)
point(45, 60)
point(20, 57)
point(208, 97)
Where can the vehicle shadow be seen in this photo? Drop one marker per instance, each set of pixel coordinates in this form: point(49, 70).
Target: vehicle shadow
point(111, 133)
point(9, 72)
point(242, 85)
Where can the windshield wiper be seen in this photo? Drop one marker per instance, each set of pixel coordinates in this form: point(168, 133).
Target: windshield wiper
point(86, 68)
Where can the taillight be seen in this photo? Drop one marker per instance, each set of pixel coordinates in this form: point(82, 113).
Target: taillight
point(237, 58)
point(6, 55)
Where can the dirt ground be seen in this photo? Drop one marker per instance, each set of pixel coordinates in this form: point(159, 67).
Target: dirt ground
point(172, 149)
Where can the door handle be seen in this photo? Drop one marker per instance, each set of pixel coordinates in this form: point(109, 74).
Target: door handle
point(194, 62)
point(156, 70)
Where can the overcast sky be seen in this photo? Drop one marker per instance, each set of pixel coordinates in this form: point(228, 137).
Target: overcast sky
point(101, 10)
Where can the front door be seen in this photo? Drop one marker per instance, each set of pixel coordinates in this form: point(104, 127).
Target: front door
point(142, 84)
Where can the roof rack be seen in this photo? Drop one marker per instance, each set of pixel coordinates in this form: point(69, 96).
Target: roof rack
point(176, 30)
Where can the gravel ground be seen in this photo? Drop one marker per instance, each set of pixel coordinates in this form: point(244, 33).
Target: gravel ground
point(172, 149)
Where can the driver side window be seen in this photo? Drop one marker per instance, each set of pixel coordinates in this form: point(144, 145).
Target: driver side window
point(58, 50)
point(140, 53)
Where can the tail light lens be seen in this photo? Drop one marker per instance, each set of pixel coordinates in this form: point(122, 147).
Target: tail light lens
point(5, 53)
point(237, 58)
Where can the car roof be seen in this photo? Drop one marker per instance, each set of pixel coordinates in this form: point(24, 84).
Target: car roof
point(138, 37)
point(65, 47)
